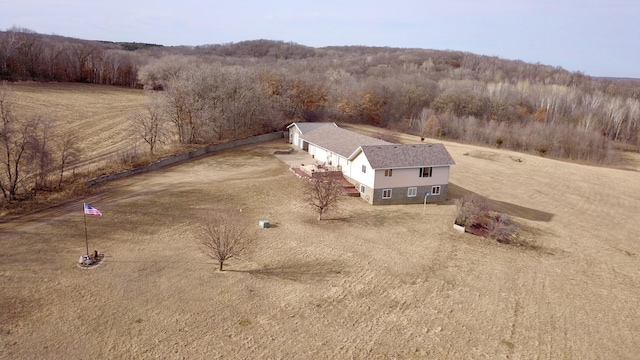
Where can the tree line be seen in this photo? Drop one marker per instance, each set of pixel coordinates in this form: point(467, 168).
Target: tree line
point(566, 115)
point(28, 56)
point(213, 92)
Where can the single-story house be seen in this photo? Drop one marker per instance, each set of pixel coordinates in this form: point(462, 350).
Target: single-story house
point(383, 172)
point(296, 130)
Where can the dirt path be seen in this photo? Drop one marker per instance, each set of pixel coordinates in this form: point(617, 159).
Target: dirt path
point(374, 282)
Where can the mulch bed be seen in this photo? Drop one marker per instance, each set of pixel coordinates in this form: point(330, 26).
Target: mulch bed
point(478, 230)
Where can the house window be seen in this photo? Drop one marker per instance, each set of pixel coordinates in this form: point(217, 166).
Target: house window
point(426, 171)
point(388, 172)
point(412, 192)
point(386, 194)
point(364, 169)
point(362, 189)
point(435, 190)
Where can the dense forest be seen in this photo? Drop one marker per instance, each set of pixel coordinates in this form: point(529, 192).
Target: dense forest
point(212, 92)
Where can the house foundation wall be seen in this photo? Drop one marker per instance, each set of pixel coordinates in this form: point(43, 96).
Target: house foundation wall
point(399, 196)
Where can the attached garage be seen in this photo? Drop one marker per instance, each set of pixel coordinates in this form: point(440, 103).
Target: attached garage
point(297, 130)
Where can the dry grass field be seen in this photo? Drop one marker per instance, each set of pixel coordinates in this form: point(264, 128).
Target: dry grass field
point(371, 282)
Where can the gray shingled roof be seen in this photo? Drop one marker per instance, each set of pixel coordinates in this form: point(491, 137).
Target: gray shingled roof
point(407, 156)
point(340, 141)
point(306, 127)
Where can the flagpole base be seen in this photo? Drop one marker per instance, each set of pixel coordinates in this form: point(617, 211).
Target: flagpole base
point(91, 261)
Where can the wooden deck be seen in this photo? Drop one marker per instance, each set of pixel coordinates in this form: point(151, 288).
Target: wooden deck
point(347, 188)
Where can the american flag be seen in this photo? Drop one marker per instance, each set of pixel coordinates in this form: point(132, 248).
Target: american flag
point(90, 210)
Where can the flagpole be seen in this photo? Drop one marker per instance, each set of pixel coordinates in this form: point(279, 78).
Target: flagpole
point(86, 237)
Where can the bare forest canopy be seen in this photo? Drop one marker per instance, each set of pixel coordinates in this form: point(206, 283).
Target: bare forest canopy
point(215, 91)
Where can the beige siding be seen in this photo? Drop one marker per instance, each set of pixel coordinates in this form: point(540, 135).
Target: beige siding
point(411, 177)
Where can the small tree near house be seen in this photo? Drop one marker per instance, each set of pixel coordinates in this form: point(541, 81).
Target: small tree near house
point(323, 193)
point(225, 237)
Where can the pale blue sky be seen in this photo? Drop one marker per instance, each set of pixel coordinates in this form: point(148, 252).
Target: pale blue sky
point(597, 37)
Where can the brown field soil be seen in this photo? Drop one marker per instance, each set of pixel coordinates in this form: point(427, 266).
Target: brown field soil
point(98, 114)
point(371, 282)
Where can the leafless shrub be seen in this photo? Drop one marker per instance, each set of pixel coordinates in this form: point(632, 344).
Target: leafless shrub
point(130, 158)
point(503, 229)
point(471, 209)
point(474, 213)
point(225, 237)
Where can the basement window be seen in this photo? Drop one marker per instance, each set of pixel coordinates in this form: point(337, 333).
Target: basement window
point(362, 189)
point(412, 192)
point(435, 190)
point(386, 194)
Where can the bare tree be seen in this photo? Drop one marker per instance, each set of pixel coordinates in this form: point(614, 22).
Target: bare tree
point(43, 154)
point(150, 124)
point(28, 151)
point(433, 127)
point(190, 102)
point(19, 149)
point(417, 124)
point(323, 193)
point(225, 237)
point(52, 59)
point(10, 41)
point(68, 152)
